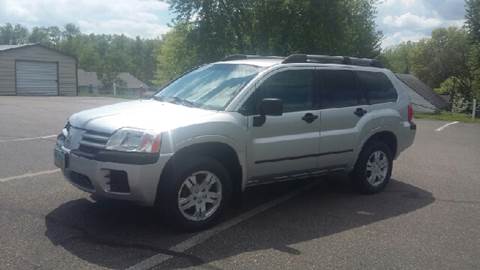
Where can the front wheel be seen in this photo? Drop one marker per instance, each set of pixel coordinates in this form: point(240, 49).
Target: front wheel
point(194, 194)
point(373, 168)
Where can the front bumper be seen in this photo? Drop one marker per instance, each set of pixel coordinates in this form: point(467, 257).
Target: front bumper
point(132, 182)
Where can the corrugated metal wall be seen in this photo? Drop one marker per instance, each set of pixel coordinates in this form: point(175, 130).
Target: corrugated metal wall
point(67, 71)
point(36, 78)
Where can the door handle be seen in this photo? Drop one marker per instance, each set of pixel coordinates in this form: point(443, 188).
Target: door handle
point(309, 117)
point(360, 112)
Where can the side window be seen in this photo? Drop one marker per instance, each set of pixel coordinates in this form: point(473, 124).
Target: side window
point(339, 89)
point(377, 86)
point(293, 87)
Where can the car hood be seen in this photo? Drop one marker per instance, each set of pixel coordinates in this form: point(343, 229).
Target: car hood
point(142, 114)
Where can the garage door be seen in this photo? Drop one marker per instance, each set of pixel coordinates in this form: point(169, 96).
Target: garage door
point(36, 78)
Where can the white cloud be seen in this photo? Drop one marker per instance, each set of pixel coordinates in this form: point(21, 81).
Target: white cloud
point(407, 3)
point(400, 20)
point(402, 36)
point(403, 20)
point(145, 18)
point(409, 21)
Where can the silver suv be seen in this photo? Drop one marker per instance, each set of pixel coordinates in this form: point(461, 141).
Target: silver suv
point(245, 121)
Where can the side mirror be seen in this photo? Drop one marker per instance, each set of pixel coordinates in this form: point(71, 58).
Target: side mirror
point(268, 106)
point(271, 106)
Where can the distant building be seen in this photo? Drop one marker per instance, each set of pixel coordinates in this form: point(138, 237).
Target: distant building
point(88, 82)
point(36, 70)
point(424, 99)
point(132, 83)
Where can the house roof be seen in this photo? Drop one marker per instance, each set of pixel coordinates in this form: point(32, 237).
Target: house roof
point(131, 81)
point(4, 48)
point(86, 78)
point(423, 90)
point(10, 47)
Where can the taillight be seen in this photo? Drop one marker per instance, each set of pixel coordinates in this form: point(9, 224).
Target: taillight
point(410, 113)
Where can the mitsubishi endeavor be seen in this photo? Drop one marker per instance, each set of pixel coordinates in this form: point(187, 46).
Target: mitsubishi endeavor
point(244, 121)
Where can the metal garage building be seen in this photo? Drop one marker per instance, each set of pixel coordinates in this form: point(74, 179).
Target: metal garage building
point(36, 70)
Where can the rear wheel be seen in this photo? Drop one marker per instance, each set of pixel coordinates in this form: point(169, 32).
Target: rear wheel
point(373, 168)
point(193, 194)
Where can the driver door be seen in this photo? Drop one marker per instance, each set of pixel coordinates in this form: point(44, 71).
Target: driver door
point(286, 144)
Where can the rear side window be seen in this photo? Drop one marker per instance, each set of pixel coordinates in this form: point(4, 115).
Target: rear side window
point(339, 89)
point(377, 86)
point(293, 87)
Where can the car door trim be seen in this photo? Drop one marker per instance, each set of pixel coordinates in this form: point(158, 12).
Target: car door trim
point(304, 156)
point(294, 175)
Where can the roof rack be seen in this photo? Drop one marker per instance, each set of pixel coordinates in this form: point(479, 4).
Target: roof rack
point(326, 59)
point(248, 56)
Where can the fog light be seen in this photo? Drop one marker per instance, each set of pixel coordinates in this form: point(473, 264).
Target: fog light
point(118, 181)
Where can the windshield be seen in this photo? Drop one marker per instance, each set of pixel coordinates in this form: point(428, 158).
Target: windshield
point(211, 87)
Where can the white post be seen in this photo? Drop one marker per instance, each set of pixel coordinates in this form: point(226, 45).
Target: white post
point(114, 89)
point(474, 108)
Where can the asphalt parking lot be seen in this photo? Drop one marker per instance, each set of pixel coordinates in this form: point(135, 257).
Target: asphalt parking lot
point(428, 217)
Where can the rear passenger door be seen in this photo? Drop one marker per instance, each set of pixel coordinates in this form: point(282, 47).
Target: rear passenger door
point(288, 143)
point(342, 105)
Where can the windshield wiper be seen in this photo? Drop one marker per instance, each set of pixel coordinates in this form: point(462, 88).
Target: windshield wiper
point(183, 102)
point(176, 100)
point(158, 98)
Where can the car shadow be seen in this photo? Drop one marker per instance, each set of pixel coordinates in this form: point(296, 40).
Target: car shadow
point(118, 235)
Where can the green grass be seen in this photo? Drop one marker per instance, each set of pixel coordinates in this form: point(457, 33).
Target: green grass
point(447, 116)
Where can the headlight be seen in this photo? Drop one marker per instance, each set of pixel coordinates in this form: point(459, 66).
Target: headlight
point(134, 140)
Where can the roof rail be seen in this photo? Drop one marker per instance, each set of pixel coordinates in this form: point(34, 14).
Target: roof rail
point(248, 56)
point(327, 59)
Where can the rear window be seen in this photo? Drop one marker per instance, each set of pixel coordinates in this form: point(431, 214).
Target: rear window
point(339, 89)
point(377, 86)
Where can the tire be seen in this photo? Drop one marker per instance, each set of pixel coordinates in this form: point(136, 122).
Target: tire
point(184, 202)
point(370, 175)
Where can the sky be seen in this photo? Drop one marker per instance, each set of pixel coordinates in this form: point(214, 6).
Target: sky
point(404, 20)
point(399, 20)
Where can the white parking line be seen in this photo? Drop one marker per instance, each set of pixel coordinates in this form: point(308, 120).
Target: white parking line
point(205, 235)
point(446, 125)
point(28, 175)
point(29, 139)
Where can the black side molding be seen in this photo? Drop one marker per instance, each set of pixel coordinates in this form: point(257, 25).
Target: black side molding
point(304, 156)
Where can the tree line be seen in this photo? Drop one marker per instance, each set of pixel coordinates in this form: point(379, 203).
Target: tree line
point(107, 55)
point(205, 31)
point(448, 61)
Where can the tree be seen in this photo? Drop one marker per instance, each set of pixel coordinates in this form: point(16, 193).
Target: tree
point(444, 55)
point(473, 19)
point(71, 31)
point(175, 55)
point(10, 34)
point(473, 26)
point(443, 61)
point(216, 28)
point(106, 54)
point(49, 36)
point(399, 58)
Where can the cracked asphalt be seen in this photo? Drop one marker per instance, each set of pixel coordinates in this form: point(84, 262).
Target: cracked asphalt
point(427, 218)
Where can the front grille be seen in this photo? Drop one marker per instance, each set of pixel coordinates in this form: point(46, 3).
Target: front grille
point(93, 141)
